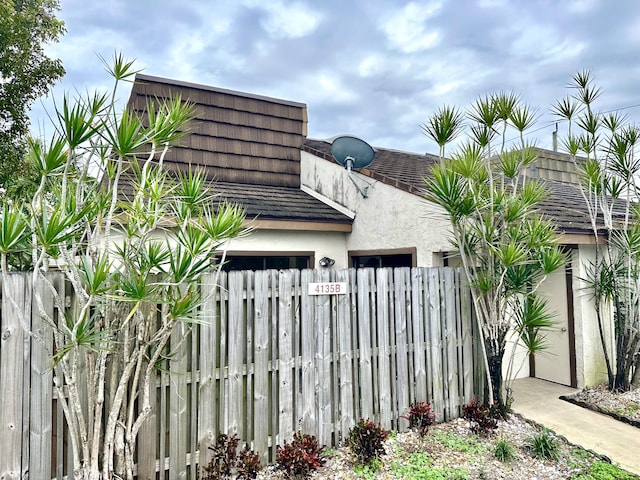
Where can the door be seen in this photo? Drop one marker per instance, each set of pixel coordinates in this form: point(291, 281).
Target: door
point(556, 362)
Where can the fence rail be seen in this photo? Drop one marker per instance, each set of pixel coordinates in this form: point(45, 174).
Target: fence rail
point(267, 360)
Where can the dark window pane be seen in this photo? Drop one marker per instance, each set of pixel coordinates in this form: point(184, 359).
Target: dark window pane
point(265, 262)
point(378, 261)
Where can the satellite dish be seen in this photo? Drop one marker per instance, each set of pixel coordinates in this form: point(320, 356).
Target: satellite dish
point(352, 152)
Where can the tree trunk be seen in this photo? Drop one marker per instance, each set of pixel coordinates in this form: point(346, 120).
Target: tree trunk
point(495, 357)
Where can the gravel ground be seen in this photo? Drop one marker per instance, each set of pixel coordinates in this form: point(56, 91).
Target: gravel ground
point(453, 445)
point(625, 404)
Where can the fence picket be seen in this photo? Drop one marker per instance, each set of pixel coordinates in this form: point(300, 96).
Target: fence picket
point(418, 325)
point(207, 367)
point(11, 361)
point(364, 339)
point(41, 386)
point(178, 420)
point(323, 363)
point(285, 363)
point(261, 363)
point(236, 344)
point(148, 433)
point(450, 339)
point(250, 352)
point(345, 356)
point(308, 347)
point(435, 329)
point(384, 349)
point(402, 343)
point(466, 317)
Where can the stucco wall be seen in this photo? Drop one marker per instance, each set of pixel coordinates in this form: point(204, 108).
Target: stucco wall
point(590, 365)
point(324, 244)
point(388, 218)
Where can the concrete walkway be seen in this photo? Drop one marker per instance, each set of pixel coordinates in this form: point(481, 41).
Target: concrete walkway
point(538, 401)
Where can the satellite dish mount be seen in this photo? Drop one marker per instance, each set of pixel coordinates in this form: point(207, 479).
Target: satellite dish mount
point(353, 154)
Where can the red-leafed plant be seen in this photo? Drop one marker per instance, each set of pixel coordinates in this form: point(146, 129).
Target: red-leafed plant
point(420, 417)
point(483, 418)
point(366, 441)
point(301, 457)
point(248, 464)
point(226, 461)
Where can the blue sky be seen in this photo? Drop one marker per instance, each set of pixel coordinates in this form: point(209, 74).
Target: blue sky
point(372, 68)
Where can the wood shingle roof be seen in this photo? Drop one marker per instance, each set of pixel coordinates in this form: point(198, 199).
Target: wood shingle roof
point(248, 144)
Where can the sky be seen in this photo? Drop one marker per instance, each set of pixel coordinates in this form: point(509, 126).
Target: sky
point(372, 68)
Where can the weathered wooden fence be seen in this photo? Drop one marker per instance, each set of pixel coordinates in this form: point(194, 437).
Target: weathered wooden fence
point(268, 359)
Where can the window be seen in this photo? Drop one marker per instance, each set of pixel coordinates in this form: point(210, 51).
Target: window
point(267, 260)
point(401, 257)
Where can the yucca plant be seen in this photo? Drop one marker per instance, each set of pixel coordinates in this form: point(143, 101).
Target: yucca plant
point(604, 147)
point(506, 248)
point(133, 263)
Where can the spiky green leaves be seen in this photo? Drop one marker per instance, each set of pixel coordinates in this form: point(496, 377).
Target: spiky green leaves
point(169, 119)
point(79, 120)
point(14, 230)
point(532, 319)
point(444, 125)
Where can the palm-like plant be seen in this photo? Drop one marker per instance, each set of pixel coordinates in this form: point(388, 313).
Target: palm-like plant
point(603, 148)
point(506, 248)
point(133, 264)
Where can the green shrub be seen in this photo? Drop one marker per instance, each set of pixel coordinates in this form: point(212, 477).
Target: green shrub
point(504, 451)
point(544, 445)
point(368, 472)
point(301, 457)
point(366, 441)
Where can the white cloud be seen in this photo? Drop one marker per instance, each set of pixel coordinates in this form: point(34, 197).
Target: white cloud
point(492, 3)
point(373, 64)
point(287, 20)
point(407, 29)
point(580, 6)
point(330, 88)
point(545, 44)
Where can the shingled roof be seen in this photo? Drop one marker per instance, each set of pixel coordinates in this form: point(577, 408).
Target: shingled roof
point(406, 171)
point(248, 144)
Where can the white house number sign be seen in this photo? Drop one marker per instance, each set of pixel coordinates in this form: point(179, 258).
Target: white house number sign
point(328, 288)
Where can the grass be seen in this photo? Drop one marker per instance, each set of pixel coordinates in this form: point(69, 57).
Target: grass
point(419, 466)
point(629, 410)
point(604, 471)
point(465, 444)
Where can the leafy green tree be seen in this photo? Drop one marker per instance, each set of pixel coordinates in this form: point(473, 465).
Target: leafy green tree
point(505, 247)
point(133, 258)
point(26, 73)
point(604, 149)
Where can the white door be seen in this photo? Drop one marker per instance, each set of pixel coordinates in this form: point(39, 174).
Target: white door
point(554, 363)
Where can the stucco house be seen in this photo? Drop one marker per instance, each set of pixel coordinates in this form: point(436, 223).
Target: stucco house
point(305, 208)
